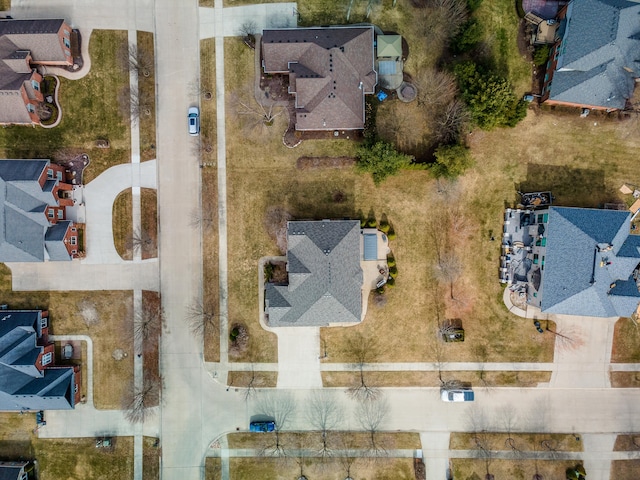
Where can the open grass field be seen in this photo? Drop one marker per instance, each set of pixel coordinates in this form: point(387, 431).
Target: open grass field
point(105, 316)
point(625, 469)
point(626, 340)
point(122, 222)
point(147, 85)
point(386, 468)
point(473, 469)
point(72, 459)
point(335, 440)
point(525, 442)
point(209, 219)
point(89, 113)
point(150, 459)
point(431, 379)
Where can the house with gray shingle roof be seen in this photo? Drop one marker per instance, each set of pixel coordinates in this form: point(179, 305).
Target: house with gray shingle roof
point(330, 70)
point(25, 45)
point(29, 378)
point(34, 226)
point(595, 63)
point(325, 276)
point(574, 261)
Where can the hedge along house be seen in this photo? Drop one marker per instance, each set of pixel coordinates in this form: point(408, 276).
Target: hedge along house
point(330, 71)
point(332, 266)
point(595, 62)
point(34, 223)
point(29, 378)
point(26, 45)
point(573, 261)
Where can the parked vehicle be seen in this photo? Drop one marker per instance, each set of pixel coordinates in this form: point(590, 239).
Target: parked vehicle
point(194, 121)
point(264, 426)
point(453, 335)
point(456, 395)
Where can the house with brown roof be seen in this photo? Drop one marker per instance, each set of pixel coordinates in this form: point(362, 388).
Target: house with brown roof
point(330, 70)
point(24, 46)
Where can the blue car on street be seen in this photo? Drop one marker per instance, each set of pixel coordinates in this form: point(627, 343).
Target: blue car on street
point(266, 426)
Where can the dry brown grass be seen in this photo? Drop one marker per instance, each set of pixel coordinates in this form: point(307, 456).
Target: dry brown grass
point(625, 379)
point(255, 379)
point(147, 85)
point(625, 469)
point(209, 219)
point(627, 443)
point(526, 442)
point(123, 224)
point(149, 222)
point(386, 468)
point(336, 440)
point(212, 467)
point(626, 339)
point(72, 459)
point(150, 459)
point(468, 468)
point(431, 378)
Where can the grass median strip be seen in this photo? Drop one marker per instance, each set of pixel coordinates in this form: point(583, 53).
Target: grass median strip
point(147, 89)
point(516, 468)
point(122, 221)
point(525, 442)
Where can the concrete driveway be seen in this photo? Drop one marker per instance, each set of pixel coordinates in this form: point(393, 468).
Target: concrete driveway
point(298, 357)
point(264, 15)
point(99, 196)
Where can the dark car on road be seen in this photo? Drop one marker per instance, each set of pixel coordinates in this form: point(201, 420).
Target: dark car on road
point(264, 426)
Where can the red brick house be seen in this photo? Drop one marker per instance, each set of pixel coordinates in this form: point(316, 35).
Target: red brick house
point(34, 225)
point(25, 45)
point(594, 64)
point(30, 378)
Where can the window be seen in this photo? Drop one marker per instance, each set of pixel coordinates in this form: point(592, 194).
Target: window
point(35, 85)
point(46, 358)
point(73, 229)
point(59, 176)
point(539, 218)
point(74, 252)
point(75, 388)
point(44, 322)
point(67, 52)
point(67, 43)
point(50, 213)
point(66, 32)
point(74, 240)
point(50, 173)
point(60, 214)
point(31, 108)
point(535, 258)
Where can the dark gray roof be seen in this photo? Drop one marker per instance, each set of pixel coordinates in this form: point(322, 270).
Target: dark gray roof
point(22, 385)
point(29, 27)
point(587, 252)
point(325, 277)
point(23, 220)
point(599, 46)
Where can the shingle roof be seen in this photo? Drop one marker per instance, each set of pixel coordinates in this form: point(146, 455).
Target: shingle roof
point(599, 42)
point(22, 385)
point(40, 37)
point(327, 263)
point(330, 70)
point(11, 470)
point(588, 251)
point(23, 222)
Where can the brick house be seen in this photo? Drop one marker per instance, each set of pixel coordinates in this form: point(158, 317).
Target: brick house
point(594, 64)
point(25, 45)
point(29, 378)
point(330, 71)
point(33, 217)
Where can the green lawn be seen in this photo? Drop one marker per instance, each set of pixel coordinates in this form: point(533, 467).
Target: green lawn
point(90, 112)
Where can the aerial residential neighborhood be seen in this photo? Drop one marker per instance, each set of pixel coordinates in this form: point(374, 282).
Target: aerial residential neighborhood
point(338, 240)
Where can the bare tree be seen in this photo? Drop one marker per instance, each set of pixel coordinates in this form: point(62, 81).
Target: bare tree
point(363, 349)
point(509, 421)
point(448, 270)
point(201, 318)
point(248, 29)
point(132, 57)
point(323, 413)
point(451, 122)
point(483, 445)
point(371, 414)
point(567, 339)
point(250, 389)
point(349, 455)
point(148, 324)
point(141, 399)
point(281, 407)
point(275, 223)
point(203, 219)
point(141, 239)
point(134, 104)
point(435, 87)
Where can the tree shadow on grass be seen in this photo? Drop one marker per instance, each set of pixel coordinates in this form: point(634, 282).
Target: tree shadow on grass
point(571, 187)
point(317, 200)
